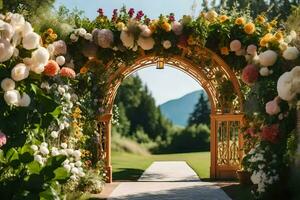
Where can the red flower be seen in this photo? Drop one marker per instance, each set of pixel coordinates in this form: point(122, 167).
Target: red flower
point(250, 74)
point(67, 72)
point(270, 133)
point(51, 69)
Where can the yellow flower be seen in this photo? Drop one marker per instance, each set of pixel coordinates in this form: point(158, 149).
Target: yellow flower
point(120, 26)
point(279, 36)
point(53, 35)
point(269, 27)
point(50, 31)
point(223, 18)
point(273, 22)
point(239, 21)
point(84, 70)
point(266, 39)
point(249, 28)
point(261, 19)
point(224, 51)
point(166, 26)
point(153, 25)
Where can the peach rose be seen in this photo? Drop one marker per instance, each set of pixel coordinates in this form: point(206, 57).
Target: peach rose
point(249, 28)
point(67, 72)
point(51, 69)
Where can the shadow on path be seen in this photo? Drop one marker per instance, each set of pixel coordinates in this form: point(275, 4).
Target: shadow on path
point(127, 174)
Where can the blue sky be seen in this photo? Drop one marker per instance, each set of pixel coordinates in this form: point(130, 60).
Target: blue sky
point(164, 84)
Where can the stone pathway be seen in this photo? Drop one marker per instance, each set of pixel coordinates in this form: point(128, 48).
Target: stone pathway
point(168, 180)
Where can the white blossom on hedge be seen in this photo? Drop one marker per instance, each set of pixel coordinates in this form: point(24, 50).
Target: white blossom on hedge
point(6, 50)
point(8, 84)
point(290, 53)
point(31, 41)
point(267, 58)
point(20, 72)
point(12, 97)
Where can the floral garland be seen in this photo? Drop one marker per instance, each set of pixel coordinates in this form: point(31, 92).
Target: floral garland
point(69, 78)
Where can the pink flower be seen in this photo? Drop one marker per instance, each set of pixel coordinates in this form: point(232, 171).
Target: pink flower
point(250, 74)
point(60, 47)
point(251, 49)
point(67, 72)
point(235, 45)
point(270, 133)
point(51, 69)
point(272, 107)
point(177, 28)
point(2, 139)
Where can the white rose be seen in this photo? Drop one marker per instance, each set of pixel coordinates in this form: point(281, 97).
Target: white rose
point(81, 32)
point(25, 100)
point(74, 170)
point(166, 44)
point(31, 41)
point(54, 134)
point(27, 28)
point(70, 151)
point(235, 45)
point(38, 158)
point(284, 86)
point(267, 58)
point(77, 154)
point(88, 37)
point(291, 53)
point(296, 79)
point(64, 145)
point(78, 163)
point(7, 84)
point(39, 59)
point(12, 97)
point(67, 167)
point(264, 71)
point(60, 60)
point(73, 37)
point(146, 43)
point(44, 150)
point(6, 50)
point(17, 21)
point(127, 39)
point(6, 30)
point(20, 72)
point(34, 147)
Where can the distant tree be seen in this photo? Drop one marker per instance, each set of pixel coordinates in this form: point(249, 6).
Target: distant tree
point(201, 113)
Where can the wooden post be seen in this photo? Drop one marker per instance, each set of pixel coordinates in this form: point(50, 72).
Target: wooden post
point(213, 146)
point(108, 151)
point(298, 135)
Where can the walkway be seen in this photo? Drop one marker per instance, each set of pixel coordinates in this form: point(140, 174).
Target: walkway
point(168, 180)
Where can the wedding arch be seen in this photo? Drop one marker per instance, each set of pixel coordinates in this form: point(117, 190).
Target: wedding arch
point(226, 117)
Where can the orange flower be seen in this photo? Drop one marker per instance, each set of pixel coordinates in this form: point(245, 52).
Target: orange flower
point(166, 26)
point(84, 70)
point(266, 39)
point(261, 19)
point(224, 51)
point(67, 72)
point(239, 21)
point(50, 31)
point(51, 69)
point(279, 36)
point(223, 18)
point(249, 28)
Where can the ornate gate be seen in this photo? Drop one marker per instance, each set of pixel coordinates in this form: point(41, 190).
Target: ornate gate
point(210, 71)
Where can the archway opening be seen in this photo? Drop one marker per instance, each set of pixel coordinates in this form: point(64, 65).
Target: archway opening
point(145, 131)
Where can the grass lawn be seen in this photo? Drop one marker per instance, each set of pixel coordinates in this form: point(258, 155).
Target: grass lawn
point(130, 166)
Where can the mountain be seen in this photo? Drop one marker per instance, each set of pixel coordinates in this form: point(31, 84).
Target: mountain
point(178, 110)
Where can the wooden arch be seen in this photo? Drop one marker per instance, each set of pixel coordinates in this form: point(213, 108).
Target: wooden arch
point(209, 71)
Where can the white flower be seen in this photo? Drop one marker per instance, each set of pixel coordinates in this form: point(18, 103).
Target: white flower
point(145, 31)
point(45, 85)
point(267, 58)
point(31, 41)
point(72, 164)
point(81, 32)
point(63, 152)
point(284, 86)
point(296, 79)
point(251, 49)
point(283, 46)
point(60, 60)
point(77, 154)
point(264, 71)
point(27, 28)
point(78, 163)
point(39, 59)
point(235, 45)
point(88, 37)
point(177, 27)
point(67, 167)
point(104, 38)
point(67, 96)
point(73, 37)
point(8, 84)
point(25, 100)
point(6, 30)
point(44, 144)
point(6, 50)
point(81, 174)
point(70, 151)
point(127, 39)
point(64, 145)
point(34, 147)
point(61, 90)
point(44, 150)
point(73, 177)
point(293, 34)
point(20, 72)
point(17, 21)
point(54, 152)
point(291, 53)
point(38, 158)
point(62, 126)
point(54, 134)
point(146, 43)
point(74, 170)
point(12, 97)
point(166, 44)
point(16, 52)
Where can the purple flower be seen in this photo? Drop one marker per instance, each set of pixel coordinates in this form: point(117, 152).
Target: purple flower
point(100, 11)
point(139, 15)
point(131, 12)
point(115, 15)
point(2, 139)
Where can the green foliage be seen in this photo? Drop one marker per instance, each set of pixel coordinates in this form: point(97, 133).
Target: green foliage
point(33, 180)
point(201, 113)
